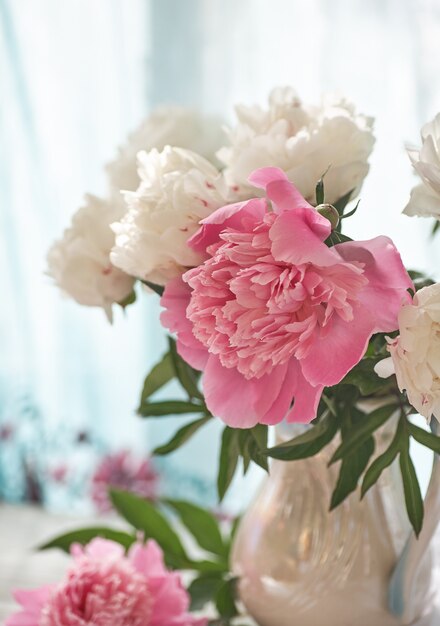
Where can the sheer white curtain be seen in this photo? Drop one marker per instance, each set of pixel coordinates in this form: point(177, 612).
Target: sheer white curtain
point(75, 76)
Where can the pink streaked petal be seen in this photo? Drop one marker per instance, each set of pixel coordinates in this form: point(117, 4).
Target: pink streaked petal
point(278, 188)
point(388, 280)
point(100, 549)
point(147, 559)
point(339, 349)
point(170, 599)
point(33, 599)
point(281, 406)
point(188, 620)
point(298, 235)
point(237, 216)
point(175, 301)
point(383, 264)
point(239, 402)
point(306, 400)
point(262, 177)
point(23, 618)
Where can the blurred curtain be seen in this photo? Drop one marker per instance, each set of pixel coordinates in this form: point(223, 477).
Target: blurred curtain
point(75, 76)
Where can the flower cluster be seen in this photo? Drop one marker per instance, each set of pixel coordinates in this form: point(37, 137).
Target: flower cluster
point(104, 587)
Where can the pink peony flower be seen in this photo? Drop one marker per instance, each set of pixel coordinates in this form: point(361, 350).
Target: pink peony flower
point(273, 315)
point(106, 588)
point(123, 471)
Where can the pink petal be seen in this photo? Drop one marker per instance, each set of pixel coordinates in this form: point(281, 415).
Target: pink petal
point(265, 175)
point(305, 406)
point(230, 216)
point(339, 349)
point(278, 188)
point(175, 301)
point(281, 405)
point(170, 599)
point(148, 559)
point(297, 237)
point(32, 601)
point(388, 279)
point(239, 402)
point(101, 549)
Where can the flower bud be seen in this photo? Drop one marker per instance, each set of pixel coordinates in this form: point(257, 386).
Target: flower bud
point(329, 212)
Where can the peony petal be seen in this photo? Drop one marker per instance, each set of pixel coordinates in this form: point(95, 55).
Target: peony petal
point(283, 401)
point(306, 400)
point(278, 188)
point(337, 351)
point(297, 237)
point(239, 402)
point(230, 216)
point(170, 599)
point(99, 549)
point(148, 559)
point(385, 368)
point(388, 280)
point(175, 301)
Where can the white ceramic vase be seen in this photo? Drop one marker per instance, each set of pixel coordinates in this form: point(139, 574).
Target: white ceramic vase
point(360, 565)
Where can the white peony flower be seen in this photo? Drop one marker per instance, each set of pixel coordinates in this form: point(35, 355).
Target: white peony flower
point(415, 353)
point(172, 125)
point(425, 197)
point(80, 261)
point(178, 188)
point(303, 141)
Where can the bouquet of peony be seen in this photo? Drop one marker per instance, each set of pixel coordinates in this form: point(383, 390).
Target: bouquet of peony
point(275, 313)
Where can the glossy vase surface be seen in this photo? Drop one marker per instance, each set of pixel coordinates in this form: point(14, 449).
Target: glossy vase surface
point(300, 564)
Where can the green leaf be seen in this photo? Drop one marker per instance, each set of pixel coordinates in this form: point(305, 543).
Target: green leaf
point(144, 516)
point(161, 373)
point(362, 430)
point(84, 535)
point(411, 488)
point(427, 439)
point(309, 443)
point(181, 436)
point(156, 288)
point(342, 202)
point(260, 433)
point(319, 192)
point(383, 461)
point(202, 525)
point(352, 467)
point(225, 599)
point(364, 377)
point(130, 299)
point(169, 407)
point(203, 590)
point(352, 212)
point(229, 454)
point(186, 375)
point(435, 227)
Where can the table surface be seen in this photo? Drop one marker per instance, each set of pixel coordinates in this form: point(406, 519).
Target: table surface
point(22, 528)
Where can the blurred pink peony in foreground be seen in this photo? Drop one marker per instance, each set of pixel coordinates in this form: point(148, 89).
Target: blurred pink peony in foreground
point(106, 588)
point(274, 315)
point(125, 472)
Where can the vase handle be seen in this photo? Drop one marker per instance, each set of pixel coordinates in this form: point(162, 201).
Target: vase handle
point(402, 594)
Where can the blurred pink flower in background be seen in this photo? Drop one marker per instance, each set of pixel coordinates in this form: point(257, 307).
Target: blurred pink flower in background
point(104, 587)
point(124, 471)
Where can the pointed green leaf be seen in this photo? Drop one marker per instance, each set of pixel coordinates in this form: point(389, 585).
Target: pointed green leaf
point(411, 488)
point(362, 430)
point(342, 202)
point(229, 454)
point(186, 375)
point(169, 407)
point(161, 373)
point(130, 299)
point(181, 436)
point(84, 535)
point(308, 444)
point(203, 590)
point(427, 439)
point(144, 516)
point(364, 377)
point(226, 597)
point(201, 524)
point(350, 471)
point(156, 288)
point(383, 461)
